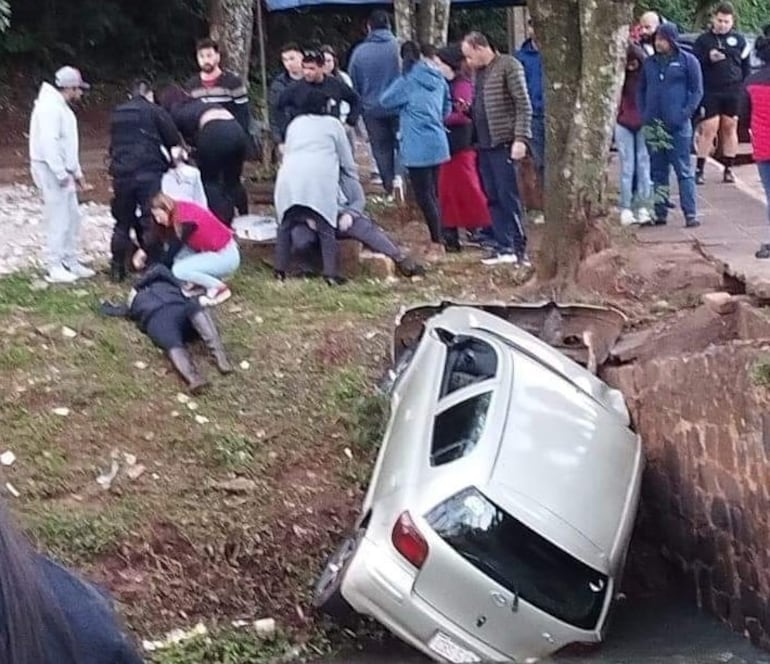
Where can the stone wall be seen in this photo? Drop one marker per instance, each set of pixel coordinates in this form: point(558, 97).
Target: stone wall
point(706, 496)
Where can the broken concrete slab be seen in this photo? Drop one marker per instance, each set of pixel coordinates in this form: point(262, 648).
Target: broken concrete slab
point(720, 302)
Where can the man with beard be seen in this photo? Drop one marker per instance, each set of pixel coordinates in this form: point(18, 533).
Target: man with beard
point(215, 85)
point(724, 57)
point(140, 131)
point(314, 78)
point(649, 24)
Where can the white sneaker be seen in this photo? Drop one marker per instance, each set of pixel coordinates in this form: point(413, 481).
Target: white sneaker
point(80, 271)
point(500, 259)
point(538, 219)
point(215, 296)
point(60, 275)
point(627, 218)
point(643, 216)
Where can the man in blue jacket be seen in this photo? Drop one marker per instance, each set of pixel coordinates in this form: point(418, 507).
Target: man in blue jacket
point(670, 90)
point(374, 65)
point(529, 55)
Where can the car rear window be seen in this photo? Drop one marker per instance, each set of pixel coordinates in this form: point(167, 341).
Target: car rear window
point(468, 361)
point(520, 560)
point(458, 429)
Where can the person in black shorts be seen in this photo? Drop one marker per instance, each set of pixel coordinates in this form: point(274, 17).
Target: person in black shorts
point(724, 57)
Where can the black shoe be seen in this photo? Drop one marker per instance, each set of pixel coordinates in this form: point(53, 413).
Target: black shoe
point(117, 272)
point(280, 275)
point(691, 222)
point(335, 281)
point(728, 177)
point(207, 330)
point(183, 363)
point(409, 267)
point(764, 251)
point(659, 221)
point(452, 247)
point(700, 178)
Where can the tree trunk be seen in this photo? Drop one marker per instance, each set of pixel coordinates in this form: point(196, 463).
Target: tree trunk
point(433, 22)
point(583, 44)
point(232, 25)
point(405, 19)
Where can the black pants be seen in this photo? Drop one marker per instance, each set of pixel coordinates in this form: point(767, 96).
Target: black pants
point(383, 137)
point(425, 184)
point(170, 327)
point(221, 151)
point(130, 193)
point(327, 238)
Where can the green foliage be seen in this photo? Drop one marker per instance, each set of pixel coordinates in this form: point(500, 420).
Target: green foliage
point(226, 647)
point(760, 372)
point(693, 15)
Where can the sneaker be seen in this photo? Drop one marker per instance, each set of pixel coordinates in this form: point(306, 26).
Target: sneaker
point(627, 218)
point(80, 271)
point(409, 267)
point(691, 222)
point(660, 221)
point(524, 261)
point(538, 219)
point(215, 296)
point(643, 216)
point(700, 178)
point(728, 177)
point(500, 259)
point(375, 179)
point(764, 251)
point(60, 275)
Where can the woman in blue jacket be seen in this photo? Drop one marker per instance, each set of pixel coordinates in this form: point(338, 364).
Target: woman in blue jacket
point(421, 96)
point(50, 616)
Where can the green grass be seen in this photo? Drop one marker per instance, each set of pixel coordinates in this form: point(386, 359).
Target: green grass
point(229, 646)
point(760, 372)
point(17, 294)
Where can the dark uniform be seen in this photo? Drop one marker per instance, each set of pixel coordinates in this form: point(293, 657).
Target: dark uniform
point(162, 312)
point(138, 131)
point(723, 80)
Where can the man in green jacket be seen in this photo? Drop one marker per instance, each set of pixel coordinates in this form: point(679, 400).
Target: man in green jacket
point(502, 122)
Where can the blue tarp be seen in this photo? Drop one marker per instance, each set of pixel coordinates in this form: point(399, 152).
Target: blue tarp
point(280, 5)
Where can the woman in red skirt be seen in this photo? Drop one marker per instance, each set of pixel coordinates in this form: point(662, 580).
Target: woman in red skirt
point(462, 199)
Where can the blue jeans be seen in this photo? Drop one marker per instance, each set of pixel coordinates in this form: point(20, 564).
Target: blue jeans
point(634, 160)
point(764, 175)
point(498, 178)
point(207, 268)
point(661, 161)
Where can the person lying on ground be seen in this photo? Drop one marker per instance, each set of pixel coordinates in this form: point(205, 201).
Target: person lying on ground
point(219, 146)
point(200, 249)
point(316, 151)
point(164, 313)
point(352, 224)
point(50, 615)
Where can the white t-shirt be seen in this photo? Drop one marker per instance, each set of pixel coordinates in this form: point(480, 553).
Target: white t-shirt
point(183, 183)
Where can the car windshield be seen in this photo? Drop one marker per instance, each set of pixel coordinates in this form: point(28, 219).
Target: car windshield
point(520, 560)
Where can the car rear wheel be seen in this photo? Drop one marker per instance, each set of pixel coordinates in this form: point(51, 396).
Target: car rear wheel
point(327, 595)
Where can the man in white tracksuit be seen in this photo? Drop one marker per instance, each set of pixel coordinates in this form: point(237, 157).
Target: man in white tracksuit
point(55, 166)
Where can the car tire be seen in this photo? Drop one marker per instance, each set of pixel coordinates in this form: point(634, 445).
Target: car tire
point(327, 593)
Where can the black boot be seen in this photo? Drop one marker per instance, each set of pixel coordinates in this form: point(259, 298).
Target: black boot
point(207, 330)
point(184, 365)
point(117, 271)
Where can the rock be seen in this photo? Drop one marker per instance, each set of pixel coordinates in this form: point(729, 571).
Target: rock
point(238, 485)
point(12, 490)
point(378, 266)
point(200, 419)
point(265, 628)
point(61, 412)
point(245, 366)
point(7, 458)
point(46, 330)
point(68, 332)
point(720, 302)
point(38, 285)
point(135, 472)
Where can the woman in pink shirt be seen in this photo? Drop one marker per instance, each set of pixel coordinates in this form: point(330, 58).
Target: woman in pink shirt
point(208, 251)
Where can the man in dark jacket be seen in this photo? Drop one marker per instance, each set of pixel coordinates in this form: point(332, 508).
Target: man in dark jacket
point(670, 89)
point(140, 130)
point(162, 311)
point(314, 78)
point(724, 57)
point(291, 59)
point(374, 65)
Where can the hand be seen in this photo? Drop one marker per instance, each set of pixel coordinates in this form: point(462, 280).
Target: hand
point(280, 148)
point(66, 181)
point(139, 260)
point(84, 186)
point(715, 55)
point(518, 150)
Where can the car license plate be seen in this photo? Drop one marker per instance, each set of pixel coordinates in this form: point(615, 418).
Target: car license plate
point(448, 649)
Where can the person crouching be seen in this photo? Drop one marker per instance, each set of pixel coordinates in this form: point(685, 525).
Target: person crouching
point(161, 311)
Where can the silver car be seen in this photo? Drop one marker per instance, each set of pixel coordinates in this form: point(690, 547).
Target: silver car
point(501, 506)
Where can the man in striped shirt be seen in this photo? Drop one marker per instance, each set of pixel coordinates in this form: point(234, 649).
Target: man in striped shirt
point(215, 85)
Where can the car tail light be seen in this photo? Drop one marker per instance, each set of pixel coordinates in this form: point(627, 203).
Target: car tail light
point(408, 541)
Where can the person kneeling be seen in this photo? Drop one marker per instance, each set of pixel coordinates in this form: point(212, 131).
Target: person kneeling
point(161, 311)
point(206, 250)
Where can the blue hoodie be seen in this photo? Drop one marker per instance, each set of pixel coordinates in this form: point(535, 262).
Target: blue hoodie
point(422, 98)
point(374, 65)
point(671, 86)
point(532, 60)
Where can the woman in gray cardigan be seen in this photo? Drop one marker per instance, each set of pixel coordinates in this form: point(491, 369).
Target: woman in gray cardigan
point(316, 153)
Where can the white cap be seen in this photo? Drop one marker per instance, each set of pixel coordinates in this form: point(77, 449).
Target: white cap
point(69, 77)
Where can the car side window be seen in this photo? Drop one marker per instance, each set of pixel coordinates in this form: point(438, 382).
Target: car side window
point(458, 429)
point(469, 361)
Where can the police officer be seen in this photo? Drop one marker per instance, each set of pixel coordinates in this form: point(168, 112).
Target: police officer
point(724, 56)
point(142, 135)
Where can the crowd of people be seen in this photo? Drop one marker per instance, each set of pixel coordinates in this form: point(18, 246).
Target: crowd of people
point(678, 100)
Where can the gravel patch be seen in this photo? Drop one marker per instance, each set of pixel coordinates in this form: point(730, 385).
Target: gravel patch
point(23, 231)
